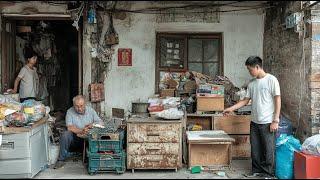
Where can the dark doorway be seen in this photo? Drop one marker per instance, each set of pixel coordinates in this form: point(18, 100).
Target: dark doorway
point(59, 62)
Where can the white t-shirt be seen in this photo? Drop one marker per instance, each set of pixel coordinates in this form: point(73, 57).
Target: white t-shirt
point(29, 82)
point(262, 92)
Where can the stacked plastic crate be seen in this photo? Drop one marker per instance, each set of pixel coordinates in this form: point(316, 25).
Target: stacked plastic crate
point(105, 151)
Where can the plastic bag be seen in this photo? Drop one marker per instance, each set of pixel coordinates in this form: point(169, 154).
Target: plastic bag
point(34, 110)
point(172, 113)
point(285, 126)
point(312, 145)
point(171, 102)
point(285, 147)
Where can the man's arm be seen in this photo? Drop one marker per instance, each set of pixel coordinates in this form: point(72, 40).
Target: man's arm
point(241, 103)
point(276, 119)
point(277, 107)
point(74, 129)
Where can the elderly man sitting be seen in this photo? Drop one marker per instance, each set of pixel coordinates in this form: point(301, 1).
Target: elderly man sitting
point(79, 119)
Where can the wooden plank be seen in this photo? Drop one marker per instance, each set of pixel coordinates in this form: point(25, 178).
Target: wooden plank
point(241, 148)
point(233, 124)
point(151, 120)
point(199, 115)
point(208, 136)
point(209, 154)
point(117, 112)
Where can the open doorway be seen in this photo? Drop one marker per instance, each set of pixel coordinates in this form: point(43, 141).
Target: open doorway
point(59, 65)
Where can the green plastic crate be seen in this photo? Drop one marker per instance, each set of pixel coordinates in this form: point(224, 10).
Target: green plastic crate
point(97, 143)
point(106, 163)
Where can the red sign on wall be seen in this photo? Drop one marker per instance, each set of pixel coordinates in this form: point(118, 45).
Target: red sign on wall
point(124, 57)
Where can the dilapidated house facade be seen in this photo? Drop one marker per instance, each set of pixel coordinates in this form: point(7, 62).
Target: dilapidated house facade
point(233, 30)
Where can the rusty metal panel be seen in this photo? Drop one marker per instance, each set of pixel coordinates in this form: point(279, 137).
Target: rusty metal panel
point(153, 132)
point(153, 148)
point(153, 161)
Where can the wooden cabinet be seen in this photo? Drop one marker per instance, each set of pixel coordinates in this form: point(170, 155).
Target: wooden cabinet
point(154, 144)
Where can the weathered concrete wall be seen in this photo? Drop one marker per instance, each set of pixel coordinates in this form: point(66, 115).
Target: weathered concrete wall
point(242, 37)
point(284, 57)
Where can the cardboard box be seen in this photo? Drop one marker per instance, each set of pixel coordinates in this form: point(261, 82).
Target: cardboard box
point(167, 93)
point(210, 89)
point(233, 124)
point(210, 103)
point(306, 166)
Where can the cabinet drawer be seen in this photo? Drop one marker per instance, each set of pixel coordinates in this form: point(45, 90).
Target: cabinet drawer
point(153, 132)
point(15, 146)
point(153, 161)
point(152, 148)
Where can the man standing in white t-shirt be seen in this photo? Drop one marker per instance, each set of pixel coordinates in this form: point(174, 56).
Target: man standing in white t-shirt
point(264, 92)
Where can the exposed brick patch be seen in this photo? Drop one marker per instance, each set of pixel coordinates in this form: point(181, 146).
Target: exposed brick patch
point(283, 57)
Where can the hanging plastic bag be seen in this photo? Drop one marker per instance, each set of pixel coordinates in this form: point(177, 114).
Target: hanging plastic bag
point(312, 145)
point(285, 147)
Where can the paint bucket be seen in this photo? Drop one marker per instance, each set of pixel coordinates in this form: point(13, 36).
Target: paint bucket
point(53, 153)
point(140, 108)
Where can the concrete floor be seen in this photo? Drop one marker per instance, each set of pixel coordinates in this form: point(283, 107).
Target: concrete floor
point(75, 169)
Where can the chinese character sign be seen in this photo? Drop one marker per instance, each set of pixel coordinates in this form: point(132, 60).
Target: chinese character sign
point(124, 57)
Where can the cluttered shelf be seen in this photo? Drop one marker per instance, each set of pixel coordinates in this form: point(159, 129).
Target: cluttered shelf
point(10, 130)
point(16, 117)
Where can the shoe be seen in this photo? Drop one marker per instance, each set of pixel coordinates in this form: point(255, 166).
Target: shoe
point(59, 164)
point(267, 176)
point(253, 175)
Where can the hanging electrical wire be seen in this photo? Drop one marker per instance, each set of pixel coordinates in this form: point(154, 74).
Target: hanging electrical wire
point(167, 10)
point(195, 12)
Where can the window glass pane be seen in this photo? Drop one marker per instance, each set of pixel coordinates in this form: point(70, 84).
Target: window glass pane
point(171, 52)
point(211, 69)
point(194, 50)
point(195, 67)
point(211, 50)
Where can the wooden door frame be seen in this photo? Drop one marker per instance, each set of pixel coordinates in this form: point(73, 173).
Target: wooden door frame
point(5, 17)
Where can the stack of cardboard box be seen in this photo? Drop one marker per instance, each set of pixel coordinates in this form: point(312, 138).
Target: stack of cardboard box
point(210, 97)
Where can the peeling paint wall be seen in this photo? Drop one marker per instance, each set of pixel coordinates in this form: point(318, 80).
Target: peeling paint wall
point(242, 37)
point(27, 6)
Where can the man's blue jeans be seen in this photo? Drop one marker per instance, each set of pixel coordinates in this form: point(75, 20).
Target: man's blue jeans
point(69, 139)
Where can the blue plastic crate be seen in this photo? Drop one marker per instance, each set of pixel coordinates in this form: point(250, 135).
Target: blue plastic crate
point(99, 142)
point(106, 163)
